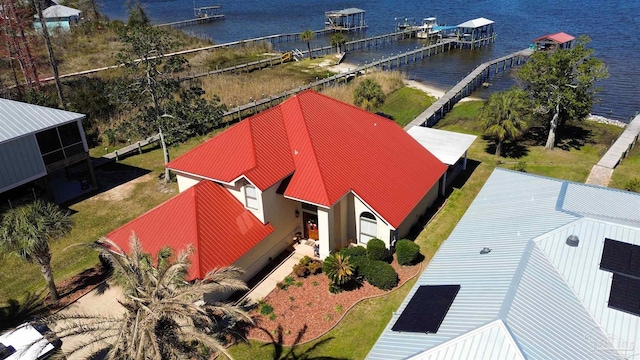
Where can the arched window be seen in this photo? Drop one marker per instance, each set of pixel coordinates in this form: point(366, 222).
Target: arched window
point(368, 227)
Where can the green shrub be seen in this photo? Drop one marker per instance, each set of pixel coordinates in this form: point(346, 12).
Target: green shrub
point(353, 252)
point(407, 251)
point(266, 309)
point(315, 267)
point(379, 274)
point(377, 250)
point(301, 270)
point(306, 260)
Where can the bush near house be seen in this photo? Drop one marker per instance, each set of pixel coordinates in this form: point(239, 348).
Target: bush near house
point(379, 274)
point(407, 251)
point(377, 250)
point(307, 266)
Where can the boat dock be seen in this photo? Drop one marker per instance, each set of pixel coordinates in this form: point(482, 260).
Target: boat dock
point(466, 86)
point(601, 172)
point(351, 19)
point(199, 20)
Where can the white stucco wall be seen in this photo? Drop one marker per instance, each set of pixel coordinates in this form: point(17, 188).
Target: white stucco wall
point(280, 213)
point(384, 229)
point(186, 181)
point(420, 209)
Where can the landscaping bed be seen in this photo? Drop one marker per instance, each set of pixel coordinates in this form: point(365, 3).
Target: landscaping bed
point(306, 309)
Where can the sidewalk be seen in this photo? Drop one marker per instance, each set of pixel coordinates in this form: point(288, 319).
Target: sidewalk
point(278, 274)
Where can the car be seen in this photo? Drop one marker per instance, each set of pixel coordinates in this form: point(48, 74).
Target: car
point(28, 342)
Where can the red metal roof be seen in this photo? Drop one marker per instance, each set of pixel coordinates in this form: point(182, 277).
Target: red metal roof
point(206, 216)
point(331, 148)
point(560, 38)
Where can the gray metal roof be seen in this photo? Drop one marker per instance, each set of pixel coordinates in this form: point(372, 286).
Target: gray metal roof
point(447, 146)
point(476, 23)
point(18, 119)
point(60, 11)
point(546, 293)
point(345, 12)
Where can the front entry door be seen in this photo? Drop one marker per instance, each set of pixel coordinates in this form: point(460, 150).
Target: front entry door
point(310, 225)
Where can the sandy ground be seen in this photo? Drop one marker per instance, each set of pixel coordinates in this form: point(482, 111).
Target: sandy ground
point(428, 89)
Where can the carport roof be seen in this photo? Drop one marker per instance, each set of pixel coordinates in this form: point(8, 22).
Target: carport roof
point(447, 146)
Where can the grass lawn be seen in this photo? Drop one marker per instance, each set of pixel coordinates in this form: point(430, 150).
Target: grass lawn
point(627, 170)
point(405, 104)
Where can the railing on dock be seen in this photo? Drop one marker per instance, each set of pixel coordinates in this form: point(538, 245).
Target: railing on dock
point(189, 22)
point(466, 86)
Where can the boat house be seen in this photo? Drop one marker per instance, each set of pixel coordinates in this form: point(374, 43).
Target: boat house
point(351, 19)
point(553, 41)
point(476, 32)
point(58, 16)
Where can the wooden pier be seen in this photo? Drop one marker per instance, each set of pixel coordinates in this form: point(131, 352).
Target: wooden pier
point(601, 172)
point(465, 87)
point(189, 22)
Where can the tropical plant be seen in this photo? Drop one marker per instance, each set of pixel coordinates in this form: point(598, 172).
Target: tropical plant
point(562, 84)
point(29, 228)
point(164, 317)
point(504, 116)
point(337, 40)
point(368, 94)
point(338, 269)
point(307, 36)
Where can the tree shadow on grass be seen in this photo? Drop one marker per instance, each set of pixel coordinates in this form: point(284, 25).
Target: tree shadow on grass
point(510, 149)
point(280, 351)
point(572, 136)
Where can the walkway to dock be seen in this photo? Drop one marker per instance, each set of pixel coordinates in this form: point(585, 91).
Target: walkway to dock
point(465, 87)
point(189, 22)
point(601, 172)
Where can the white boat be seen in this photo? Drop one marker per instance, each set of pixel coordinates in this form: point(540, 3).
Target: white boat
point(428, 28)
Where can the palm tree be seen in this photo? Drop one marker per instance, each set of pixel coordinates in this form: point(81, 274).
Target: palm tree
point(29, 228)
point(504, 116)
point(307, 36)
point(338, 40)
point(164, 316)
point(338, 269)
point(368, 94)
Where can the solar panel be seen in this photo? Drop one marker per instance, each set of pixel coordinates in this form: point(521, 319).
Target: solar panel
point(426, 309)
point(625, 294)
point(621, 258)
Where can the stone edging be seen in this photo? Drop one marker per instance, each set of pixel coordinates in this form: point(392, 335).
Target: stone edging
point(604, 120)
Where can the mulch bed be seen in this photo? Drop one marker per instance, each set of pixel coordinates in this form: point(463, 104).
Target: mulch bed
point(307, 309)
point(75, 287)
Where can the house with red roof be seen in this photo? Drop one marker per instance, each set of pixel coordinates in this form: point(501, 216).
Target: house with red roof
point(554, 41)
point(322, 168)
point(310, 167)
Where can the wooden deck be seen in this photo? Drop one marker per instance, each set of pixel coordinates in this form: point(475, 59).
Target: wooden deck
point(465, 87)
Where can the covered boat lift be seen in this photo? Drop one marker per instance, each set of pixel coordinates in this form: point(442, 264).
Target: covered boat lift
point(351, 19)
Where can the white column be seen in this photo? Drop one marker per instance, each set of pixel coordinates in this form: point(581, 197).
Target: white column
point(325, 231)
point(464, 162)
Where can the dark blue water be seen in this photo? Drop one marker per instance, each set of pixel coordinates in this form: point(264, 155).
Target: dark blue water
point(614, 27)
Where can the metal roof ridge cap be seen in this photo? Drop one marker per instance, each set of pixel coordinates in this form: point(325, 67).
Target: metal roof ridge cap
point(298, 108)
point(253, 146)
point(515, 281)
point(196, 191)
point(560, 228)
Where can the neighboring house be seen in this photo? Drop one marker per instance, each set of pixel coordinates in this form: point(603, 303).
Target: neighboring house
point(537, 268)
point(553, 41)
point(326, 169)
point(58, 16)
point(36, 141)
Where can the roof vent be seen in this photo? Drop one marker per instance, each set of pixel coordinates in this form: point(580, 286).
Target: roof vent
point(485, 250)
point(573, 240)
